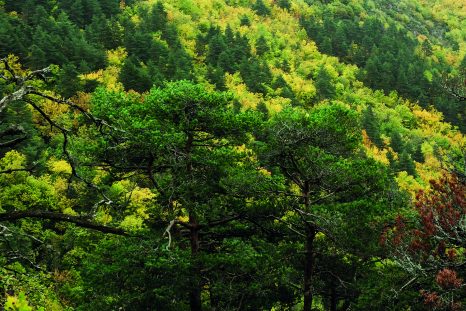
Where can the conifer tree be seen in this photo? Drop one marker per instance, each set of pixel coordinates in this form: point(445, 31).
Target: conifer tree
point(244, 21)
point(396, 142)
point(405, 163)
point(261, 46)
point(370, 124)
point(68, 81)
point(284, 4)
point(260, 8)
point(134, 77)
point(324, 84)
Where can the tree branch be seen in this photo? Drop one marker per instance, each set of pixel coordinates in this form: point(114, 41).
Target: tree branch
point(79, 221)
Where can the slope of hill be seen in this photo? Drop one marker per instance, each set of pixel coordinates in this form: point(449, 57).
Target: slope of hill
point(275, 195)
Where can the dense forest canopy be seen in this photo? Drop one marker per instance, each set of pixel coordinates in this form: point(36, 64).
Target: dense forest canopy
point(232, 155)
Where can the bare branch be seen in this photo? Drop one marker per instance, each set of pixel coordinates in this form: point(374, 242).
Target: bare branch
point(167, 231)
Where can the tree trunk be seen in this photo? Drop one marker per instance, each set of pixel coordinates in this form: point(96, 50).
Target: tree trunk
point(309, 244)
point(333, 298)
point(195, 294)
point(309, 268)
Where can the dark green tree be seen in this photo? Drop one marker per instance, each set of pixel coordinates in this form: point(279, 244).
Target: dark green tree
point(370, 124)
point(324, 84)
point(284, 4)
point(262, 46)
point(190, 147)
point(406, 163)
point(134, 77)
point(260, 8)
point(244, 21)
point(217, 76)
point(157, 20)
point(317, 153)
point(396, 142)
point(68, 82)
point(256, 74)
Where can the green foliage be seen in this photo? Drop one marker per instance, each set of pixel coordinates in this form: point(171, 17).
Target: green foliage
point(261, 46)
point(261, 8)
point(395, 54)
point(135, 77)
point(17, 303)
point(325, 84)
point(216, 189)
point(244, 21)
point(371, 126)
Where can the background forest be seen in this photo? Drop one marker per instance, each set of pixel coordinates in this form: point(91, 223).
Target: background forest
point(232, 155)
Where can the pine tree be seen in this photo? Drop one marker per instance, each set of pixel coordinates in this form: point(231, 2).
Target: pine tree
point(179, 65)
point(396, 142)
point(139, 44)
point(134, 77)
point(284, 4)
point(281, 84)
point(37, 58)
point(68, 81)
point(216, 47)
point(340, 41)
point(261, 46)
point(244, 21)
point(391, 161)
point(226, 61)
point(260, 8)
point(229, 37)
point(216, 76)
point(418, 155)
point(324, 84)
point(370, 124)
point(285, 66)
point(406, 163)
point(157, 19)
point(262, 108)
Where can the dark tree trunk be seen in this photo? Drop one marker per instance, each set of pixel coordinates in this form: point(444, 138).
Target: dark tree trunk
point(195, 294)
point(309, 244)
point(333, 298)
point(309, 268)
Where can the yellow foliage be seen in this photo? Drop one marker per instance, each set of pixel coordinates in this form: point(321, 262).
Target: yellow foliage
point(96, 75)
point(59, 166)
point(99, 175)
point(372, 150)
point(116, 57)
point(184, 218)
point(103, 216)
point(140, 200)
point(55, 111)
point(276, 104)
point(109, 76)
point(264, 171)
point(241, 92)
point(12, 160)
point(430, 120)
point(408, 183)
point(132, 223)
point(60, 184)
point(82, 100)
point(70, 211)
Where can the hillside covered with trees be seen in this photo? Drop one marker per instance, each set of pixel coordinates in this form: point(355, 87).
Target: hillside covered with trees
point(232, 155)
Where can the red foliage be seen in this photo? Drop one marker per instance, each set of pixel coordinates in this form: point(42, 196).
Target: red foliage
point(436, 242)
point(432, 299)
point(440, 211)
point(448, 279)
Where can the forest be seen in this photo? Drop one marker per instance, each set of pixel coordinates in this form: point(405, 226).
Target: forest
point(232, 155)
